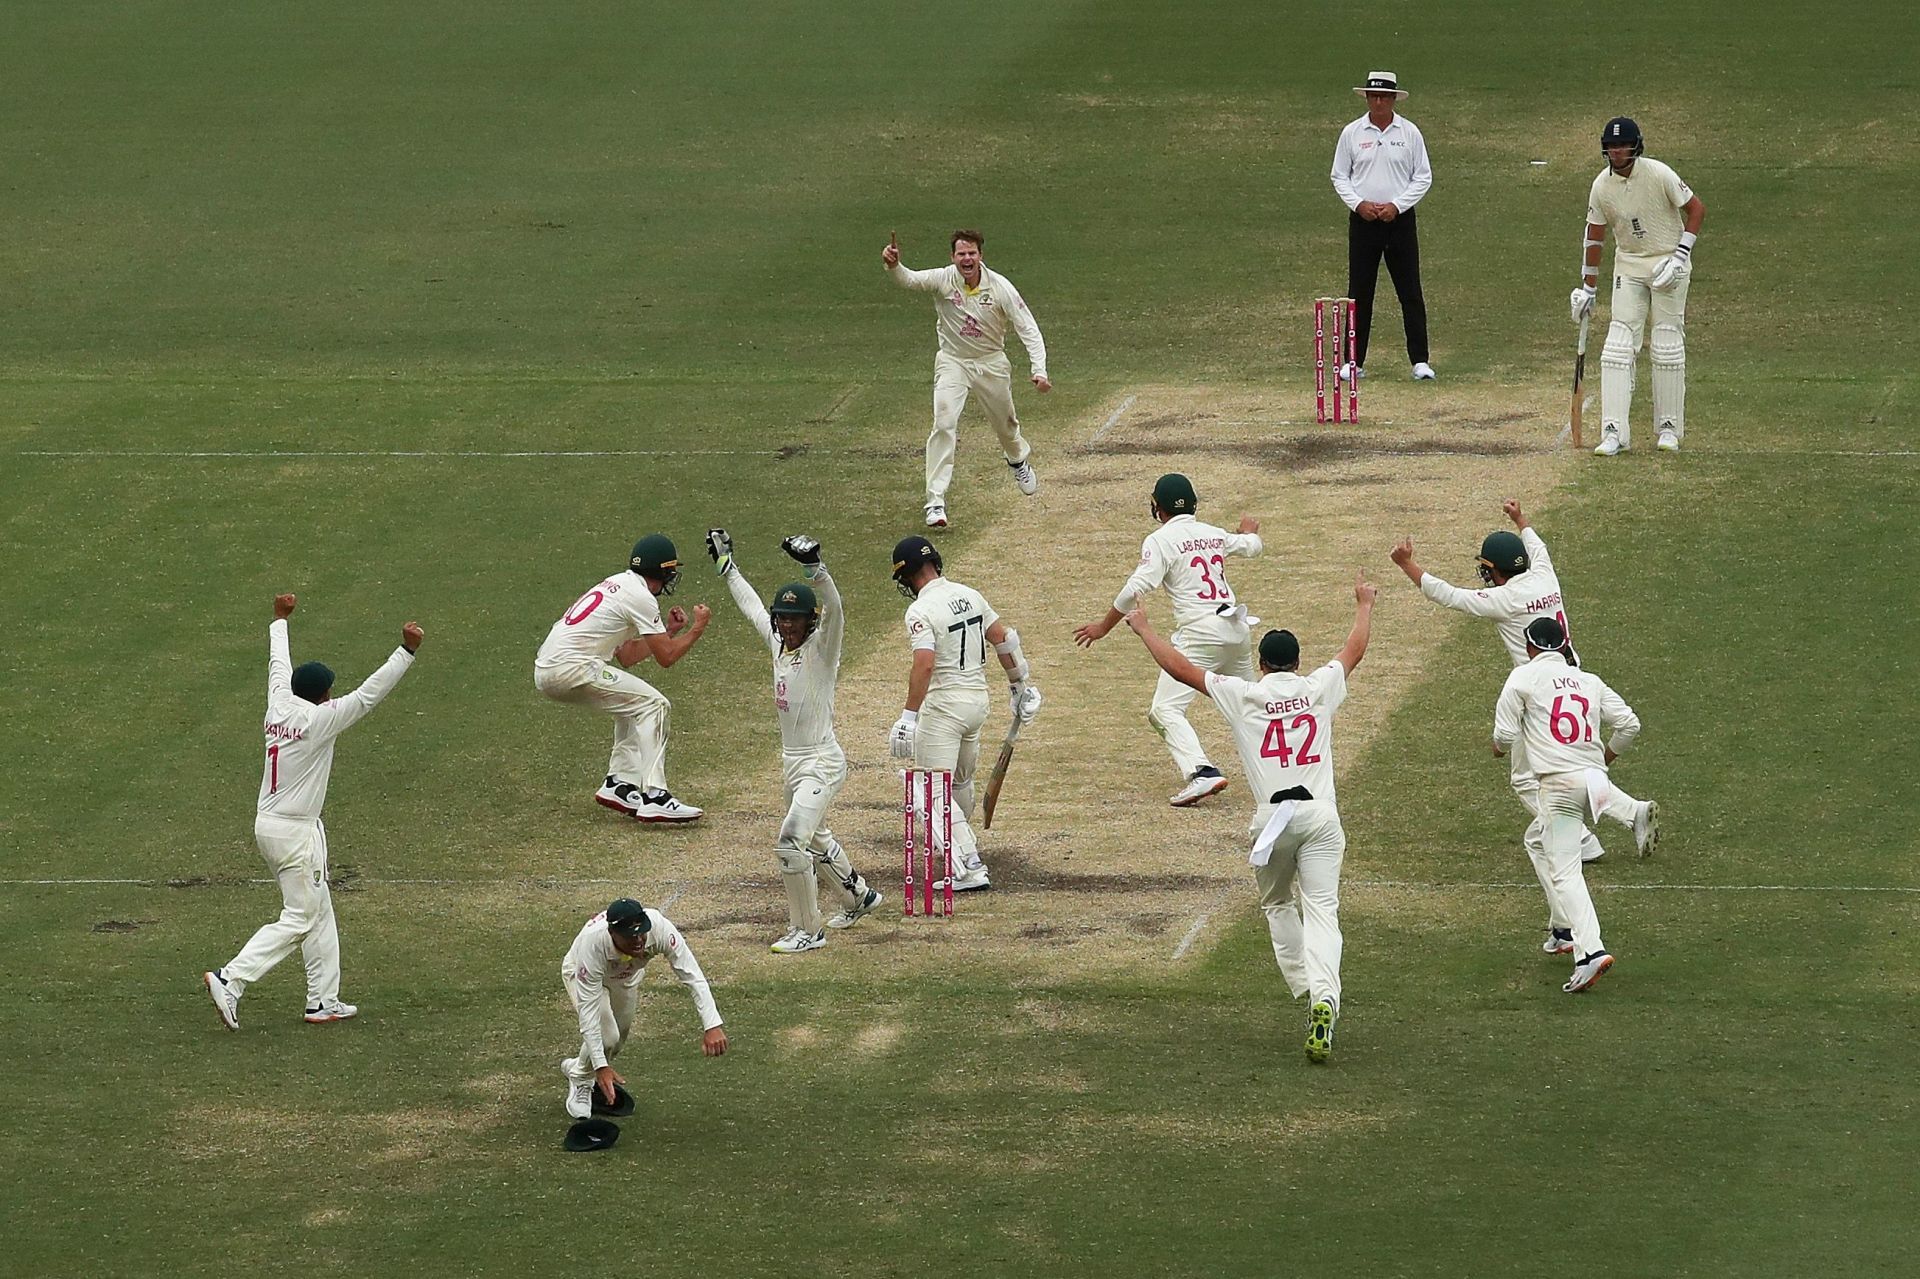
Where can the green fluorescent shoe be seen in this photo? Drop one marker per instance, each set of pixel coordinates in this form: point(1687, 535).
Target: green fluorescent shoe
point(1320, 1032)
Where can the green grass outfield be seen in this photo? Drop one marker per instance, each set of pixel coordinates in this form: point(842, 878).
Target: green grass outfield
point(475, 228)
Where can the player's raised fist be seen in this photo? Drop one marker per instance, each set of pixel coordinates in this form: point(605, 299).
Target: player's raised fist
point(1512, 509)
point(1364, 592)
point(802, 548)
point(1248, 524)
point(702, 615)
point(676, 621)
point(1403, 552)
point(283, 606)
point(411, 635)
point(891, 254)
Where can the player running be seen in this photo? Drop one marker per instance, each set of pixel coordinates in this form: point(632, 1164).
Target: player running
point(1283, 726)
point(1211, 627)
point(803, 626)
point(949, 628)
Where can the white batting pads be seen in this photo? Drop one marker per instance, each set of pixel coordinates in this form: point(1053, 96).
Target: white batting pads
point(1670, 378)
point(1616, 380)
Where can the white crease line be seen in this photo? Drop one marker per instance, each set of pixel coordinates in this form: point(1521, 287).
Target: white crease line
point(1201, 921)
point(672, 897)
point(1108, 424)
point(838, 404)
point(464, 453)
point(679, 889)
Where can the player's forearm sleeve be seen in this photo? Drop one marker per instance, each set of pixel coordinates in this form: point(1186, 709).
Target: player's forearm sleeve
point(1478, 603)
point(750, 605)
point(1618, 717)
point(1028, 330)
point(1506, 716)
point(342, 713)
point(924, 281)
point(833, 615)
point(279, 663)
point(687, 969)
point(1145, 579)
point(1537, 556)
point(1247, 544)
point(590, 997)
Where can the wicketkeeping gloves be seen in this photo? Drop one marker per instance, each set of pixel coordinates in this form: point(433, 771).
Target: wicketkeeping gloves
point(900, 740)
point(803, 548)
point(1582, 302)
point(720, 547)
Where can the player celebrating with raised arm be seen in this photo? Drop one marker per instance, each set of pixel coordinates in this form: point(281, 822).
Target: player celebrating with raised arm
point(804, 627)
point(1560, 712)
point(1655, 219)
point(602, 974)
point(1188, 558)
point(949, 628)
point(1283, 726)
point(303, 721)
point(1520, 587)
point(619, 621)
point(971, 317)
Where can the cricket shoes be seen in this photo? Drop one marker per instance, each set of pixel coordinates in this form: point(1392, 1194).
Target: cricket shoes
point(798, 940)
point(1559, 942)
point(854, 914)
point(579, 1091)
point(1024, 477)
point(972, 880)
point(224, 998)
point(1423, 372)
point(1320, 1032)
point(1206, 780)
point(936, 514)
point(659, 806)
point(1587, 971)
point(1349, 373)
point(621, 797)
point(1646, 828)
point(1669, 440)
point(1609, 442)
point(330, 1010)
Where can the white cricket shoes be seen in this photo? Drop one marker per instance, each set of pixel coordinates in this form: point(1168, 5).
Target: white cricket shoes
point(621, 797)
point(1024, 477)
point(1587, 971)
point(579, 1091)
point(1423, 372)
point(223, 998)
point(1559, 942)
point(1646, 828)
point(1609, 442)
point(936, 514)
point(798, 940)
point(330, 1010)
point(659, 806)
point(1669, 440)
point(1349, 372)
point(973, 880)
point(854, 914)
point(1204, 782)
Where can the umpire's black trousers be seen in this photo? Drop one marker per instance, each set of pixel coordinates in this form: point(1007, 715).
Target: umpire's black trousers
point(1399, 242)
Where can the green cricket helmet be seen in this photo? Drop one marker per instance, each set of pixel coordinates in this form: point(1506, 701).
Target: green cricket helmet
point(1503, 553)
point(796, 599)
point(1174, 495)
point(654, 556)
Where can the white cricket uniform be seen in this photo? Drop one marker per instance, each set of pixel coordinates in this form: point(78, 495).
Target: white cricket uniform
point(950, 620)
point(602, 984)
point(575, 664)
point(1283, 726)
point(1642, 212)
point(972, 327)
point(812, 765)
point(1560, 713)
point(1512, 607)
point(286, 824)
point(1188, 559)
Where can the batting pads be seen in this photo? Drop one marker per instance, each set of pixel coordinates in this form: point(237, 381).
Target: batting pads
point(1670, 378)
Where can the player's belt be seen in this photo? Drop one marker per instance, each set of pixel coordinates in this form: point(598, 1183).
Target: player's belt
point(1291, 792)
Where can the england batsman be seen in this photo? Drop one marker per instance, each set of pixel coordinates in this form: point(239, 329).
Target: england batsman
point(1283, 726)
point(1520, 586)
point(303, 721)
point(972, 313)
point(950, 626)
point(1655, 219)
point(1189, 559)
point(803, 626)
point(602, 974)
point(614, 625)
point(1563, 713)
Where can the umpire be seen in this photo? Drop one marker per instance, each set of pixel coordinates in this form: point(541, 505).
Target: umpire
point(1380, 170)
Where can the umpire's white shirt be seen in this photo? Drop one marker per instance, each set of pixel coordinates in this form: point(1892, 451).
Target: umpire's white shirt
point(1384, 166)
point(300, 735)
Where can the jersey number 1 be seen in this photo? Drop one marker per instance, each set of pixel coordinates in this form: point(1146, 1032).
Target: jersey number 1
point(273, 769)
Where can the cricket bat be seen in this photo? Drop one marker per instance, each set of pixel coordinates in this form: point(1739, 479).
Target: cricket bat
point(1579, 382)
point(999, 777)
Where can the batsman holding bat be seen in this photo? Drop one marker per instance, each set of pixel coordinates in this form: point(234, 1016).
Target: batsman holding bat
point(803, 626)
point(1655, 219)
point(972, 314)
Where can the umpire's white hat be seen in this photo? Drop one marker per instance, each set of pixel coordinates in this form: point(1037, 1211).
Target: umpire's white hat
point(1381, 82)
